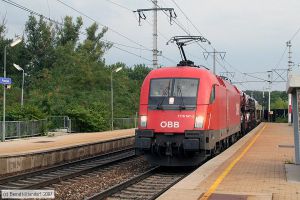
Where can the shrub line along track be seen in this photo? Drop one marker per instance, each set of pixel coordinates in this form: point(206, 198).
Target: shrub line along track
point(148, 185)
point(51, 175)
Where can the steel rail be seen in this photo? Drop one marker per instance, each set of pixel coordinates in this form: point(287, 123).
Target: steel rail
point(44, 177)
point(150, 184)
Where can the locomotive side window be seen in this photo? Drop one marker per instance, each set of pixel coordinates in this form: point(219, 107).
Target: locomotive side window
point(212, 94)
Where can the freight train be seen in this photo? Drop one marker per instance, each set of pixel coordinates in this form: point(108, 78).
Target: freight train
point(188, 114)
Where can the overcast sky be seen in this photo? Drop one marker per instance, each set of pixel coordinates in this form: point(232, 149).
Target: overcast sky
point(253, 33)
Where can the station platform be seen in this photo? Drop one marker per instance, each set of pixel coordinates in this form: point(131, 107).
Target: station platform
point(255, 167)
point(29, 153)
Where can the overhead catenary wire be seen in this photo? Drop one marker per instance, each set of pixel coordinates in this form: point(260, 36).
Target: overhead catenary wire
point(32, 11)
point(295, 34)
point(188, 32)
point(124, 7)
point(176, 21)
point(61, 24)
point(195, 27)
point(133, 54)
point(119, 5)
point(56, 22)
point(180, 26)
point(128, 9)
point(109, 28)
point(281, 57)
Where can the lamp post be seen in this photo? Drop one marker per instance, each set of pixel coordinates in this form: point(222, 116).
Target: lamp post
point(270, 78)
point(23, 76)
point(14, 43)
point(112, 96)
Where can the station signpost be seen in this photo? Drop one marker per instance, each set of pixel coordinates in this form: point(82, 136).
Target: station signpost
point(293, 87)
point(5, 81)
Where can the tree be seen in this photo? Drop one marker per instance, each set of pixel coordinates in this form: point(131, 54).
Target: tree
point(279, 104)
point(39, 44)
point(139, 72)
point(277, 98)
point(2, 29)
point(69, 32)
point(68, 76)
point(92, 45)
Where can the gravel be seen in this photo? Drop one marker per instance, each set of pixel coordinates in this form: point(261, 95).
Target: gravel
point(89, 184)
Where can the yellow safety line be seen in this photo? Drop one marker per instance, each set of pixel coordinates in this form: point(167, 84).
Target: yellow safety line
point(217, 182)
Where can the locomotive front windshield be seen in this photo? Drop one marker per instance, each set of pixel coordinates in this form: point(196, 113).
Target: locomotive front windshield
point(173, 93)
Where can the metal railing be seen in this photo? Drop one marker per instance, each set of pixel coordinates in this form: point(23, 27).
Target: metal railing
point(19, 129)
point(59, 123)
point(125, 123)
point(119, 123)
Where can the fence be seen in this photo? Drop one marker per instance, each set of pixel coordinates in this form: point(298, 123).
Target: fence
point(19, 129)
point(119, 123)
point(61, 123)
point(124, 123)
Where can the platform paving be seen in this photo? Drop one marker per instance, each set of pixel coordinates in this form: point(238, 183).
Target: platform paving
point(35, 153)
point(258, 174)
point(29, 145)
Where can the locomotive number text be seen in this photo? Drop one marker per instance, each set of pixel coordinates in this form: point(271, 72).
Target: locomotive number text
point(169, 124)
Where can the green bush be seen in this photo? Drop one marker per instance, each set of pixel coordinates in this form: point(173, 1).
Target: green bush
point(281, 120)
point(27, 112)
point(93, 118)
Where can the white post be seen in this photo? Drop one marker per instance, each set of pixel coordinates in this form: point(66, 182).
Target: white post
point(22, 95)
point(290, 109)
point(4, 98)
point(14, 43)
point(289, 45)
point(263, 108)
point(269, 108)
point(112, 95)
point(112, 100)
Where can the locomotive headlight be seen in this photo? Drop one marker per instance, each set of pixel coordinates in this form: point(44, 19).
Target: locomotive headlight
point(143, 121)
point(199, 122)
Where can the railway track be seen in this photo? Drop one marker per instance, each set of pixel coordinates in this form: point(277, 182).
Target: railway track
point(43, 178)
point(148, 185)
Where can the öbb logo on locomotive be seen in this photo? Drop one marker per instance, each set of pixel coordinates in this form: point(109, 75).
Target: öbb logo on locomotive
point(169, 124)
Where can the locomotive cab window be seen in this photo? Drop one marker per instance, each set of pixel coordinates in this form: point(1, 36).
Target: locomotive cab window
point(160, 87)
point(173, 93)
point(212, 94)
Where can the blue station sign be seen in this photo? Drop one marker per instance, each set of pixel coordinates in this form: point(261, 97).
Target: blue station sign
point(5, 81)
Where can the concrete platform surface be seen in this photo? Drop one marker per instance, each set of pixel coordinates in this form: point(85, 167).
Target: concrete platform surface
point(38, 144)
point(253, 168)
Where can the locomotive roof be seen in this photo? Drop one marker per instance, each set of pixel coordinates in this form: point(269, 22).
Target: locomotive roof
point(189, 72)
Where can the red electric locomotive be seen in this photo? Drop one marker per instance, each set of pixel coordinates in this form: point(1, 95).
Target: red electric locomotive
point(188, 114)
